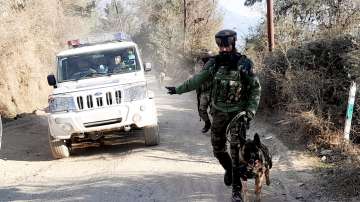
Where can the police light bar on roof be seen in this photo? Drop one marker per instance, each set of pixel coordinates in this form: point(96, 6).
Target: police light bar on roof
point(74, 43)
point(99, 38)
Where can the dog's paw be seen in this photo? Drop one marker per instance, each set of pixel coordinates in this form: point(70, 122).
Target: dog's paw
point(267, 177)
point(267, 181)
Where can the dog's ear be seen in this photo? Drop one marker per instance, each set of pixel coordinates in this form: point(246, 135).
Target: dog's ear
point(257, 139)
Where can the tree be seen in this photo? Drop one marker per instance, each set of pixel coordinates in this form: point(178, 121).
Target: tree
point(162, 29)
point(251, 2)
point(310, 18)
point(82, 8)
point(118, 16)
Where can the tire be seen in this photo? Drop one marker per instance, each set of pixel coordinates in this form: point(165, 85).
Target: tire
point(58, 148)
point(152, 136)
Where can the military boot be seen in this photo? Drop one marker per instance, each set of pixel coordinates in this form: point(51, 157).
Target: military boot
point(236, 194)
point(206, 127)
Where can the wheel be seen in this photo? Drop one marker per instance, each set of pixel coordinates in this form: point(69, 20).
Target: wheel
point(152, 136)
point(58, 147)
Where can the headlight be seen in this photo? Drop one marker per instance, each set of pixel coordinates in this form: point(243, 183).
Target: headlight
point(61, 104)
point(134, 93)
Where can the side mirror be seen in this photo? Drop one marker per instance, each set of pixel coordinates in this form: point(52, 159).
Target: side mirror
point(51, 80)
point(147, 67)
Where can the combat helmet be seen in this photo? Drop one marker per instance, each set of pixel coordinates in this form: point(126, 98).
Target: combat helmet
point(226, 38)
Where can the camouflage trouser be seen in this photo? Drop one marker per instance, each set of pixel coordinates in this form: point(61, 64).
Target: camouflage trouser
point(203, 106)
point(219, 143)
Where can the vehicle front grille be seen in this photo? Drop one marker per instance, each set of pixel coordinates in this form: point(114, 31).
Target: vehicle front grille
point(80, 102)
point(118, 96)
point(108, 98)
point(94, 101)
point(89, 100)
point(99, 101)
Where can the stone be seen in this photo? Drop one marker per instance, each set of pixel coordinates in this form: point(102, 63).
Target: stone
point(323, 159)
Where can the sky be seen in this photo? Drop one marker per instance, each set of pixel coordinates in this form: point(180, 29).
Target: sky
point(241, 18)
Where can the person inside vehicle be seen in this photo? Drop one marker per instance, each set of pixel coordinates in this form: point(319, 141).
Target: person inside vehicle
point(235, 89)
point(102, 67)
point(131, 57)
point(82, 68)
point(119, 64)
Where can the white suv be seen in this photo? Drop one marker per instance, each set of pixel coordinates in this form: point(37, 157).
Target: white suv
point(99, 89)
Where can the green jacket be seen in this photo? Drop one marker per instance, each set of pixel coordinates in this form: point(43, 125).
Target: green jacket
point(205, 87)
point(234, 88)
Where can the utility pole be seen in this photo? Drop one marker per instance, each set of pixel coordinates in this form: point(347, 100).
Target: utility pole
point(270, 24)
point(184, 25)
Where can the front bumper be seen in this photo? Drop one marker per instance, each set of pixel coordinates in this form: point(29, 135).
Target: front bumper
point(139, 113)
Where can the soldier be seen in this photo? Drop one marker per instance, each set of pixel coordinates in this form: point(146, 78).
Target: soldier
point(203, 96)
point(235, 89)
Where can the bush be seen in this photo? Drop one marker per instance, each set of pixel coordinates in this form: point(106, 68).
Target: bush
point(316, 77)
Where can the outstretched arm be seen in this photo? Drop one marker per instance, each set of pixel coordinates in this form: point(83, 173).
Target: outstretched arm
point(196, 81)
point(193, 83)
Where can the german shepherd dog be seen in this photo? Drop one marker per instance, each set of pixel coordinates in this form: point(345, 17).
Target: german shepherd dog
point(255, 161)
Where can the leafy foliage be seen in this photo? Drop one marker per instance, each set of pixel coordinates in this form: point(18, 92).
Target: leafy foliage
point(251, 2)
point(168, 31)
point(316, 57)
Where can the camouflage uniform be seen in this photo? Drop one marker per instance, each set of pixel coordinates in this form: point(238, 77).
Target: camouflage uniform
point(235, 88)
point(204, 100)
point(203, 94)
point(204, 105)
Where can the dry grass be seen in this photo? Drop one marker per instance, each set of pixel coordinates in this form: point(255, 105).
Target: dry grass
point(311, 83)
point(323, 132)
point(30, 37)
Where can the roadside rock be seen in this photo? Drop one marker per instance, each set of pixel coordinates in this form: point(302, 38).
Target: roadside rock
point(323, 159)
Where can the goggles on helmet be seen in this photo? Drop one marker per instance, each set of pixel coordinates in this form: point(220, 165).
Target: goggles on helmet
point(225, 41)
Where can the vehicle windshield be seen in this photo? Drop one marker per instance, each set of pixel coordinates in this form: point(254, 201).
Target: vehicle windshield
point(105, 63)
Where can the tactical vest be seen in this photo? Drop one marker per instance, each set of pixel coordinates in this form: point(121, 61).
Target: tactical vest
point(227, 86)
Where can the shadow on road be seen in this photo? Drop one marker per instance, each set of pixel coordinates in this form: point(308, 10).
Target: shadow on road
point(189, 187)
point(175, 186)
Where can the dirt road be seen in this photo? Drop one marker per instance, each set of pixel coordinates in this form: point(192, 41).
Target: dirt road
point(181, 168)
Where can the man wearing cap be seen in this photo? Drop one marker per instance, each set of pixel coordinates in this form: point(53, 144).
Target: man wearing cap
point(235, 89)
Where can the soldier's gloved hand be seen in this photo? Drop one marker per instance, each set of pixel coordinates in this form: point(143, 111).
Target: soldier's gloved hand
point(171, 90)
point(248, 117)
